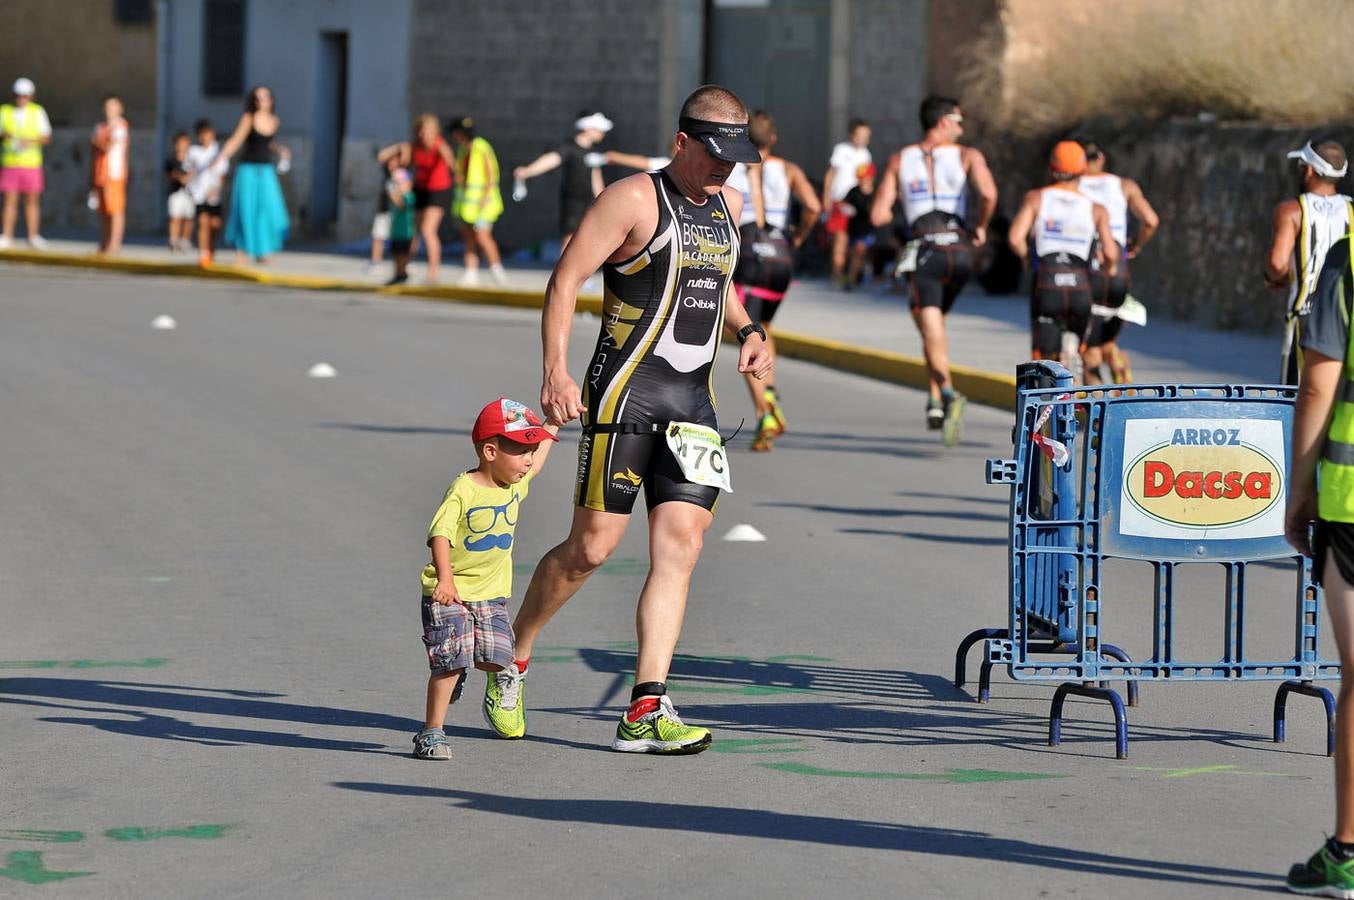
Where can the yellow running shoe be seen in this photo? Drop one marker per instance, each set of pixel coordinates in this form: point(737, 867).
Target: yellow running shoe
point(660, 731)
point(773, 407)
point(504, 706)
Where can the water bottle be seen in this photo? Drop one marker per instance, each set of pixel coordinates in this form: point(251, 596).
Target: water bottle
point(519, 189)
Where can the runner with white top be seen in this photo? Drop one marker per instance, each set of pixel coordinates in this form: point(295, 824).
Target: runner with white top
point(933, 177)
point(766, 260)
point(1304, 229)
point(847, 158)
point(1066, 224)
point(1120, 197)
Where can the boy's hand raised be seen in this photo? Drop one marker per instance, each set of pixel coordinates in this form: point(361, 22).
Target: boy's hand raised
point(445, 593)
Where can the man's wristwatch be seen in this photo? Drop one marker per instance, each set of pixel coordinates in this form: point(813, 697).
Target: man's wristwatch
point(751, 328)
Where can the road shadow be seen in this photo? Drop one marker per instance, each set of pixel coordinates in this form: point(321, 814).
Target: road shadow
point(808, 829)
point(882, 512)
point(146, 705)
point(787, 674)
point(1003, 502)
point(969, 540)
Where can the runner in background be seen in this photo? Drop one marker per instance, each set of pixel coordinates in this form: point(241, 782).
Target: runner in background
point(933, 178)
point(1119, 196)
point(1066, 224)
point(1304, 229)
point(847, 158)
point(579, 182)
point(766, 257)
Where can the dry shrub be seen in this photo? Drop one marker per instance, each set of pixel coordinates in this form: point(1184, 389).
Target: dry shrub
point(1063, 61)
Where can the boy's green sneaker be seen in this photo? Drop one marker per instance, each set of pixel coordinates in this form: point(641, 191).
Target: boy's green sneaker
point(504, 706)
point(1324, 875)
point(660, 731)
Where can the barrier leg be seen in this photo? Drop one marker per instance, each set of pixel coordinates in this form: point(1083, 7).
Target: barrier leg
point(1055, 715)
point(967, 643)
point(1114, 652)
point(1311, 690)
point(985, 682)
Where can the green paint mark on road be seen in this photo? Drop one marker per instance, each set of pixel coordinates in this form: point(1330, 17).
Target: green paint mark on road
point(949, 776)
point(196, 832)
point(149, 663)
point(26, 866)
point(757, 745)
point(36, 834)
point(1211, 770)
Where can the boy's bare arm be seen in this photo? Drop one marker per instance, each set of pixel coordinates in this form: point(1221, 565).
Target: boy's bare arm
point(445, 592)
point(543, 448)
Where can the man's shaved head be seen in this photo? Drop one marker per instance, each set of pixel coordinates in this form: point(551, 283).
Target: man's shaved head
point(1332, 153)
point(714, 104)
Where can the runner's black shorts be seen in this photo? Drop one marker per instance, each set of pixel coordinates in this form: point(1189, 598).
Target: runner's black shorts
point(1060, 302)
point(613, 466)
point(765, 269)
point(944, 261)
point(1333, 539)
point(1111, 292)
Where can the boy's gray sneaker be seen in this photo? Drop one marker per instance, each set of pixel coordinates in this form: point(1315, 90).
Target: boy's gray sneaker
point(431, 743)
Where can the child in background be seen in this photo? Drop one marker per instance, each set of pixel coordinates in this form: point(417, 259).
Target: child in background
point(860, 232)
point(380, 223)
point(180, 206)
point(400, 195)
point(204, 185)
point(109, 174)
point(467, 585)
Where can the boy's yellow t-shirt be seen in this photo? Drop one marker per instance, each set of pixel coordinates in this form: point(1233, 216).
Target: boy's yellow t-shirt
point(479, 522)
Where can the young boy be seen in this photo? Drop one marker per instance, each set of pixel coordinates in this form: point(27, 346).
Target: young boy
point(380, 223)
point(467, 585)
point(204, 184)
point(860, 231)
point(109, 175)
point(400, 191)
point(180, 206)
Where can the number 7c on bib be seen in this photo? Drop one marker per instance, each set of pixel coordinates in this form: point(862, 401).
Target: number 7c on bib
point(699, 451)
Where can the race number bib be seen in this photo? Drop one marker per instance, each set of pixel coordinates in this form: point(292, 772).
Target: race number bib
point(908, 261)
point(699, 450)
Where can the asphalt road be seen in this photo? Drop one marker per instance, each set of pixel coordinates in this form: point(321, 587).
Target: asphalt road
point(210, 665)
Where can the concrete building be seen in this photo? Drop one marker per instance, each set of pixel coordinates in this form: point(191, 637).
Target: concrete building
point(350, 74)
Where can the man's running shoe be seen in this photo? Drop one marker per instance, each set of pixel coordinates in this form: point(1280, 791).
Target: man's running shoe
point(431, 743)
point(766, 431)
point(935, 414)
point(773, 407)
point(954, 411)
point(1324, 875)
point(660, 731)
point(504, 706)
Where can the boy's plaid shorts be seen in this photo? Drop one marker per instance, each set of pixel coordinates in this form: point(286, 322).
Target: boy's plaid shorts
point(460, 635)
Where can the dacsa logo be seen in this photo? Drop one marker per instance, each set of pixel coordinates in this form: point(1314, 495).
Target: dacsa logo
point(1204, 478)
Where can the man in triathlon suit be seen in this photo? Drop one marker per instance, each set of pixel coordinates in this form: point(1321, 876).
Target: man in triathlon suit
point(766, 258)
point(932, 178)
point(1119, 196)
point(847, 158)
point(579, 182)
point(1066, 224)
point(1304, 229)
point(667, 244)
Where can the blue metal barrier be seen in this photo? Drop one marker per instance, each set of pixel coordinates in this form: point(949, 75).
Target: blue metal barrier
point(1169, 474)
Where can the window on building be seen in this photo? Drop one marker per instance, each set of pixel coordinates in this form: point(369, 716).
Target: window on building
point(223, 47)
point(131, 12)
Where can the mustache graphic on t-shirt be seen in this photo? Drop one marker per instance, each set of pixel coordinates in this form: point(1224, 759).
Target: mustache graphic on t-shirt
point(488, 542)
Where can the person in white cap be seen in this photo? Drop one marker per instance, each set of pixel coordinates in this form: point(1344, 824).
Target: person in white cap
point(1304, 229)
point(24, 130)
point(579, 182)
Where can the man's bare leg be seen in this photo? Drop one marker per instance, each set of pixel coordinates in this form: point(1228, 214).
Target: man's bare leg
point(1091, 361)
point(935, 346)
point(1340, 607)
point(676, 536)
point(561, 572)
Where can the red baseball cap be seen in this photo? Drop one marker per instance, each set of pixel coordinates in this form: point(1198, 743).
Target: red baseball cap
point(512, 420)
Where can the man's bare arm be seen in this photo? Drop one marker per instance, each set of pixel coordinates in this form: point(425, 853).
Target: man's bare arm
point(885, 195)
point(828, 177)
point(1287, 221)
point(1144, 213)
point(980, 176)
point(1018, 237)
point(539, 166)
point(1109, 250)
point(808, 201)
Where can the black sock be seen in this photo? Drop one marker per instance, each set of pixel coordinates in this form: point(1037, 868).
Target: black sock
point(1340, 850)
point(648, 689)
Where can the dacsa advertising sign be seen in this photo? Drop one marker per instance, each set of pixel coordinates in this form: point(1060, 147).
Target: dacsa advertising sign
point(1193, 479)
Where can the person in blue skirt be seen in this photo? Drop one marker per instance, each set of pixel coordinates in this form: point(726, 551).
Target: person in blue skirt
point(258, 222)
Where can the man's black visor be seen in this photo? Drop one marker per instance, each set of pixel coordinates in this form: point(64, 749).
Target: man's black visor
point(724, 140)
